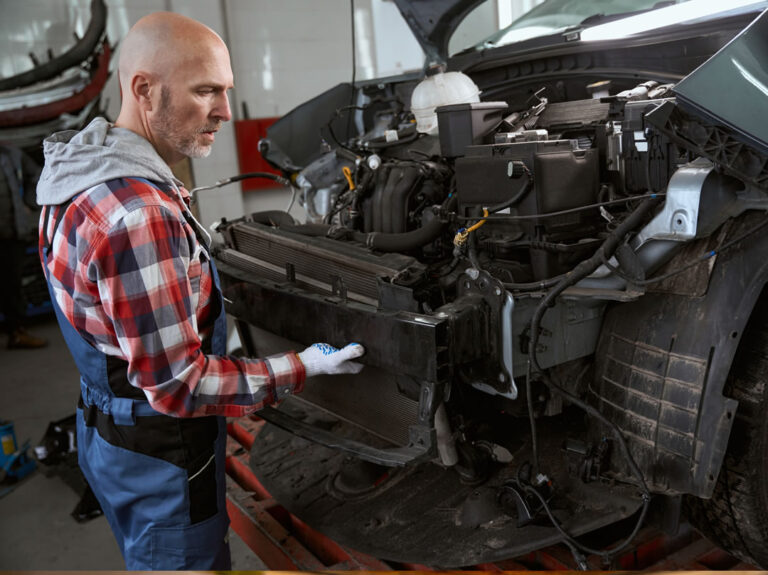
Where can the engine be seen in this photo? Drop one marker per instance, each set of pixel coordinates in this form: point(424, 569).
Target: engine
point(525, 177)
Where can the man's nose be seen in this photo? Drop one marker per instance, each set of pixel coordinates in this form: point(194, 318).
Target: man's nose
point(222, 110)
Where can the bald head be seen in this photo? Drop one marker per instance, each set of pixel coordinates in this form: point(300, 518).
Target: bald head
point(174, 75)
point(161, 42)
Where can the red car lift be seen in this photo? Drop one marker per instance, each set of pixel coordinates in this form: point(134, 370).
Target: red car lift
point(285, 543)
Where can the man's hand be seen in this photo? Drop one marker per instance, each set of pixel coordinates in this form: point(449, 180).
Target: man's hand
point(320, 358)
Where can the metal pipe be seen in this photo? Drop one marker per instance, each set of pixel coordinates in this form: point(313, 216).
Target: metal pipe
point(446, 445)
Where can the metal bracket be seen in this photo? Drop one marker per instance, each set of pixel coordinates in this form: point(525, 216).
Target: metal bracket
point(678, 217)
point(498, 375)
point(339, 288)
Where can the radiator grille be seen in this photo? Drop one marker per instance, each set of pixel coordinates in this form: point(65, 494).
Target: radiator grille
point(370, 400)
point(317, 262)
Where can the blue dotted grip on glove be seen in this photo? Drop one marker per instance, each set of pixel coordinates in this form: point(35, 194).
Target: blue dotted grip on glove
point(322, 358)
point(327, 349)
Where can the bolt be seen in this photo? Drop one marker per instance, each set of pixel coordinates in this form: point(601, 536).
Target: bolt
point(680, 220)
point(374, 161)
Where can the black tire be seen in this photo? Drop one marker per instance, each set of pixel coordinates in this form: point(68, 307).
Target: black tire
point(736, 518)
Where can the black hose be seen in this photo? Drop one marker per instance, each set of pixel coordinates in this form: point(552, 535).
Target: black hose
point(537, 285)
point(582, 270)
point(703, 257)
point(514, 199)
point(511, 218)
point(572, 543)
point(557, 247)
point(586, 267)
point(72, 57)
point(267, 175)
point(380, 241)
point(403, 242)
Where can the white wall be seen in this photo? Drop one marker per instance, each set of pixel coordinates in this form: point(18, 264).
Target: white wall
point(396, 49)
point(286, 52)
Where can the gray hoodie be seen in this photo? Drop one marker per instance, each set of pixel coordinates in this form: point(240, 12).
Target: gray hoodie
point(76, 161)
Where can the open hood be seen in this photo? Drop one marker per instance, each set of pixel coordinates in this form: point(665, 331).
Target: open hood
point(740, 65)
point(433, 22)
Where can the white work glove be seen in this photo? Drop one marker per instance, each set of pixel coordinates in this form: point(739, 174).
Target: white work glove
point(320, 358)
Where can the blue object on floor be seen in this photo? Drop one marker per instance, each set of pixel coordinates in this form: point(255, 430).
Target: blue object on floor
point(8, 441)
point(15, 464)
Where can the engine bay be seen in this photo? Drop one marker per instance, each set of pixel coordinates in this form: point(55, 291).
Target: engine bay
point(477, 265)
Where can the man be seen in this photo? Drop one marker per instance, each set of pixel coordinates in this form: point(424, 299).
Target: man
point(138, 301)
point(18, 216)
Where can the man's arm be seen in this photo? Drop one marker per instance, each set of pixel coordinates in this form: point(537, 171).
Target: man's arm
point(149, 280)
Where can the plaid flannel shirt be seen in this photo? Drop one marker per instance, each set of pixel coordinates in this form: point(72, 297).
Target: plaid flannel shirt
point(131, 276)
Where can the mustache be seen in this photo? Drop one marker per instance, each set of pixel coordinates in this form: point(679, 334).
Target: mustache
point(210, 128)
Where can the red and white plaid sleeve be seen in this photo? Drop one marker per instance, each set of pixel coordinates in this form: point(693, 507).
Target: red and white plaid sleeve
point(150, 281)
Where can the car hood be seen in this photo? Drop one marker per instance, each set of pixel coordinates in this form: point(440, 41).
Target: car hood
point(433, 21)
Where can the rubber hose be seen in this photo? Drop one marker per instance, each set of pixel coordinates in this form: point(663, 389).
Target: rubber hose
point(72, 57)
point(385, 242)
point(408, 240)
point(514, 199)
point(403, 242)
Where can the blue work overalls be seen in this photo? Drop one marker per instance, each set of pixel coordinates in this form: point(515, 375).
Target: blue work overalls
point(159, 479)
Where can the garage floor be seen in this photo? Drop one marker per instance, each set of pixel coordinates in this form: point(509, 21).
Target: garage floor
point(36, 529)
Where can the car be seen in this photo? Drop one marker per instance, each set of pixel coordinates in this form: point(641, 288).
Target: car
point(553, 246)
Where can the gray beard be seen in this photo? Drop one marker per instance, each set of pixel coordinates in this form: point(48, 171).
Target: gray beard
point(164, 127)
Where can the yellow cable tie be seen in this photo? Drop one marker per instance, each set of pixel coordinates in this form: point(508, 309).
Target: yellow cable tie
point(348, 174)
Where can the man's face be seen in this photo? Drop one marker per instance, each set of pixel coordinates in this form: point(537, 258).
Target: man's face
point(192, 106)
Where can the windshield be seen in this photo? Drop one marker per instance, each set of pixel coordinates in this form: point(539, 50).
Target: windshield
point(552, 16)
point(606, 19)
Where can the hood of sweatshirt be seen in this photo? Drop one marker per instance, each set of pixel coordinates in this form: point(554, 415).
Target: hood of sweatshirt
point(76, 161)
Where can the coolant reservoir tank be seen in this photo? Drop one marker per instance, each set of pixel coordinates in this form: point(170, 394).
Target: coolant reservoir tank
point(440, 89)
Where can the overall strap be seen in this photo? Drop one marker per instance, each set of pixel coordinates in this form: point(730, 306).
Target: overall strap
point(122, 409)
point(59, 216)
point(94, 365)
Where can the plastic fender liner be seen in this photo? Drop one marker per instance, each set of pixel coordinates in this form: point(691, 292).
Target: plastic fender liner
point(663, 360)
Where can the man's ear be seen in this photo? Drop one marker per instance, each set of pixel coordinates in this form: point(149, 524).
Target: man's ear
point(141, 90)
